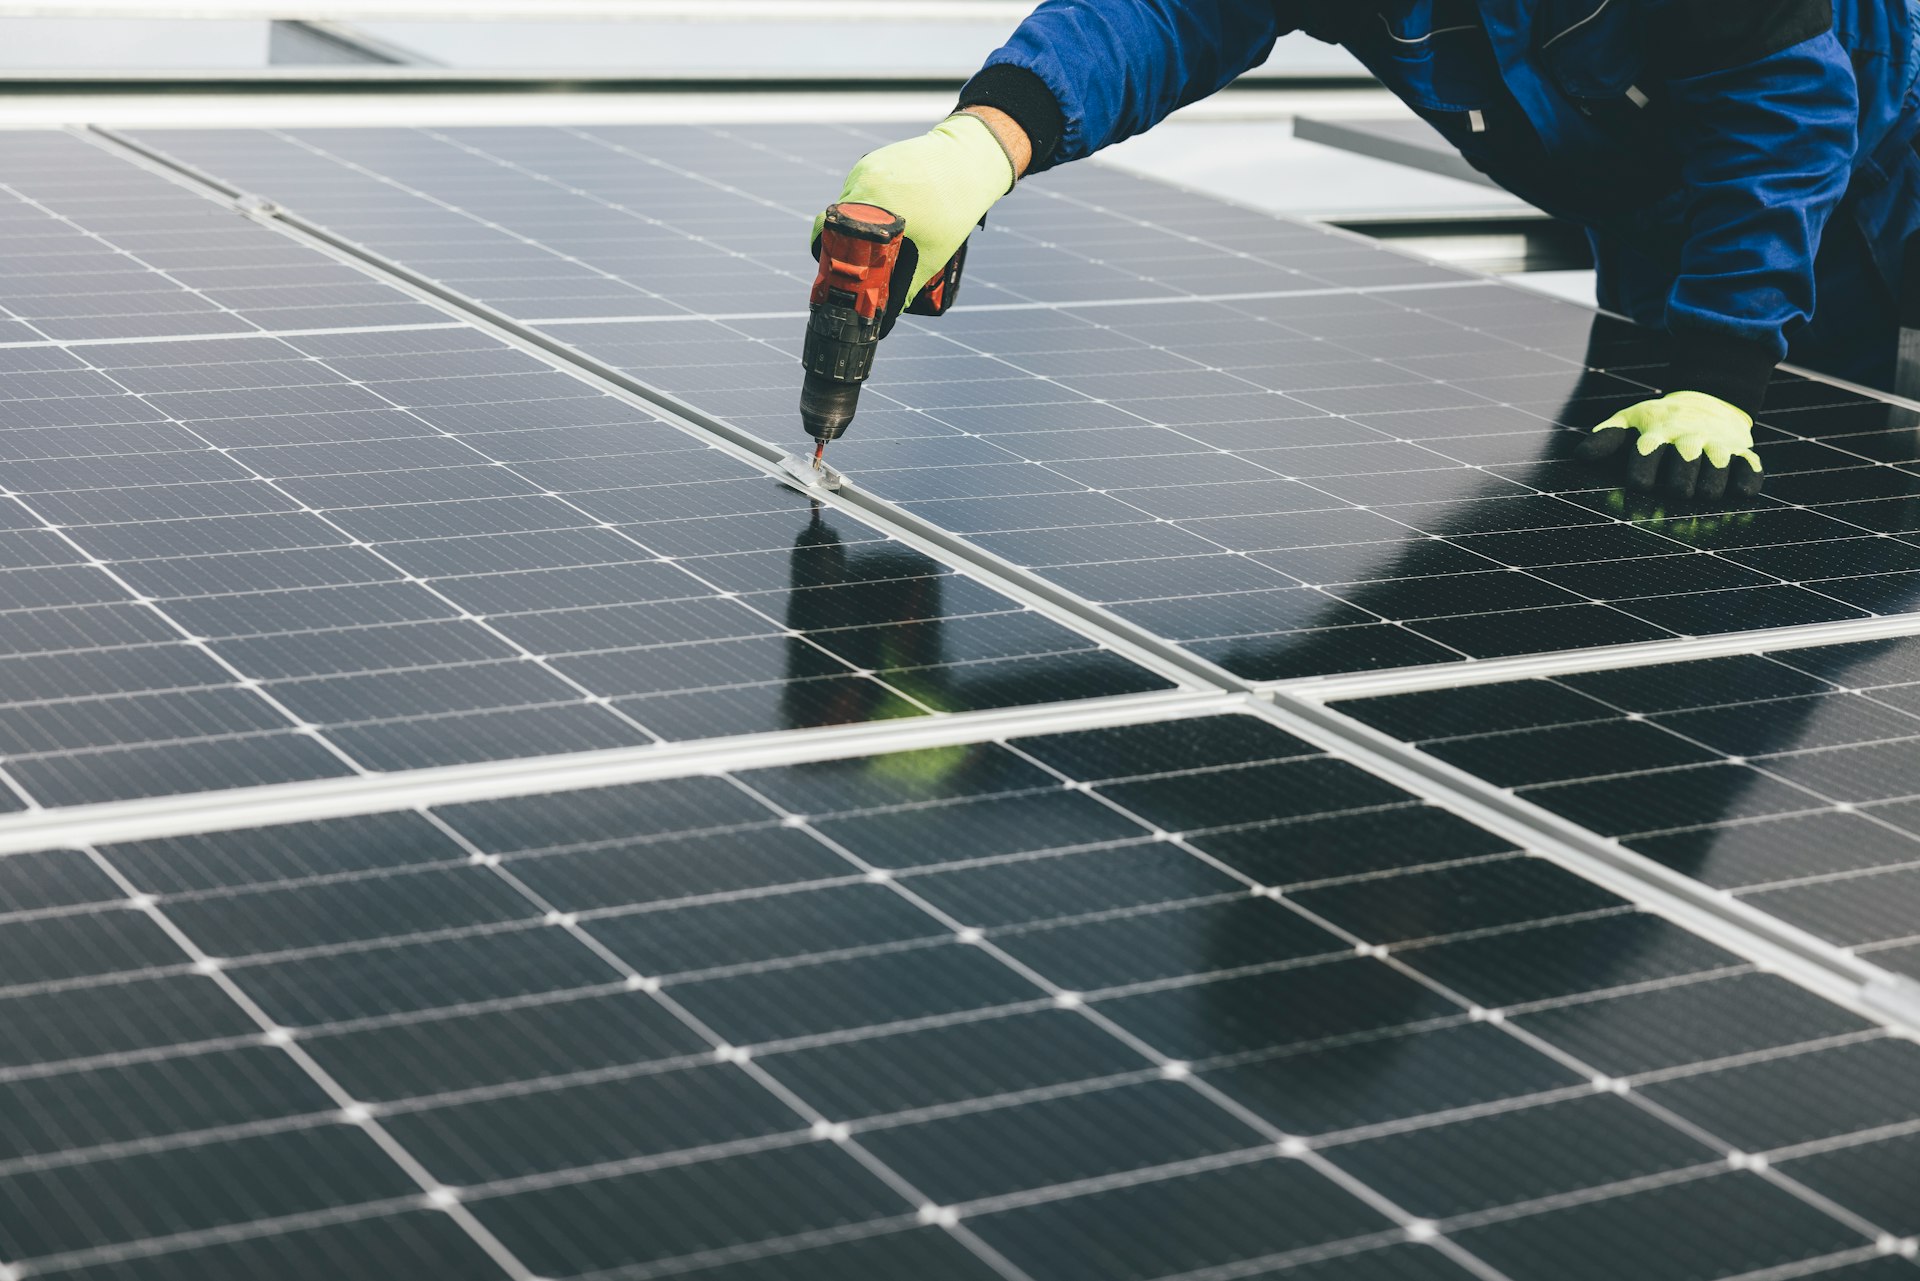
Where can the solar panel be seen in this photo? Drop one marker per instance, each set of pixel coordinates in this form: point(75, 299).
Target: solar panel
point(269, 559)
point(1366, 469)
point(1788, 778)
point(95, 248)
point(1009, 1008)
point(1182, 998)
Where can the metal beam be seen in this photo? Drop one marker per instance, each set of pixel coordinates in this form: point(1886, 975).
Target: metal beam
point(1413, 143)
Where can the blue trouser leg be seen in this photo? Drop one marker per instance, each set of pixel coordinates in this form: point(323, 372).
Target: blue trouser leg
point(1855, 332)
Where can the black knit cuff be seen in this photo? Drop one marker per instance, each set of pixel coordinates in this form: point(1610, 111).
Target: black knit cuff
point(1734, 369)
point(1024, 96)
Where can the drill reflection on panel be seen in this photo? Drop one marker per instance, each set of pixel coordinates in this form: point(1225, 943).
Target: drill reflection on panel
point(864, 256)
point(874, 606)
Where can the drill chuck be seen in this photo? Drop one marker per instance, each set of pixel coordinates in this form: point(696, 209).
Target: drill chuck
point(837, 357)
point(827, 405)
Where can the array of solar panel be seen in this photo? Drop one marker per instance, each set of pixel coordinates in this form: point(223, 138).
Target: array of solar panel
point(264, 559)
point(92, 247)
point(1289, 485)
point(1791, 779)
point(1046, 1008)
point(1001, 1010)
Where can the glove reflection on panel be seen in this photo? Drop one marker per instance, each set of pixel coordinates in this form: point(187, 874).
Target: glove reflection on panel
point(941, 183)
point(1688, 444)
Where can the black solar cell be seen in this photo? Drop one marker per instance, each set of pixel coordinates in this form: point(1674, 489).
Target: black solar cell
point(1787, 778)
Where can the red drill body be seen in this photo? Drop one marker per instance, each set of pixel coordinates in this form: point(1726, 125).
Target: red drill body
point(861, 250)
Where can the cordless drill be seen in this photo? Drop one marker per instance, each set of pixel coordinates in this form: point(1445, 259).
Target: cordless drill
point(860, 251)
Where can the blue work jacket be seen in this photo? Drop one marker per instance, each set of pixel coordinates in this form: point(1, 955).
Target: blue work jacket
point(1705, 144)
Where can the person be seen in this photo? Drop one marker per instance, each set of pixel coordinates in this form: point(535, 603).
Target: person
point(1746, 169)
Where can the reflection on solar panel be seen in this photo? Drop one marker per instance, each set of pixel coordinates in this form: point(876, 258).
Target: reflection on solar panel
point(1789, 778)
point(1291, 485)
point(967, 1010)
point(1168, 1000)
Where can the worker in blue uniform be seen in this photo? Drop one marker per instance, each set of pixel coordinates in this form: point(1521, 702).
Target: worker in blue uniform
point(1747, 169)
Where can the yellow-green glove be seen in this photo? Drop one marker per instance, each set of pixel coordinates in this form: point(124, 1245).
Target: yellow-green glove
point(1688, 443)
point(942, 183)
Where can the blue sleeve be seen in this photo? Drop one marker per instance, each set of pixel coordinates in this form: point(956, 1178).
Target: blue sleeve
point(1767, 151)
point(1117, 67)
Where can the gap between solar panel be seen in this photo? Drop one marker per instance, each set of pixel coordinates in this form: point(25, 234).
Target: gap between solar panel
point(164, 816)
point(1327, 689)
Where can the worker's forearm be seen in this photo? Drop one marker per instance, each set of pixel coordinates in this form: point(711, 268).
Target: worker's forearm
point(1013, 139)
point(1079, 75)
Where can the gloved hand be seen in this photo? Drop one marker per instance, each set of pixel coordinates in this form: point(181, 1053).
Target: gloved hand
point(1688, 443)
point(942, 183)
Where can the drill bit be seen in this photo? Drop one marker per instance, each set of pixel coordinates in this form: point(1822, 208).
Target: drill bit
point(819, 454)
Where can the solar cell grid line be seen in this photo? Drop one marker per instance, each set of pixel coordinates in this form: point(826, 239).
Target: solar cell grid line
point(1446, 525)
point(277, 742)
point(624, 295)
point(382, 570)
point(128, 253)
point(191, 440)
point(1421, 1024)
point(572, 270)
point(369, 1134)
point(1786, 779)
point(519, 651)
